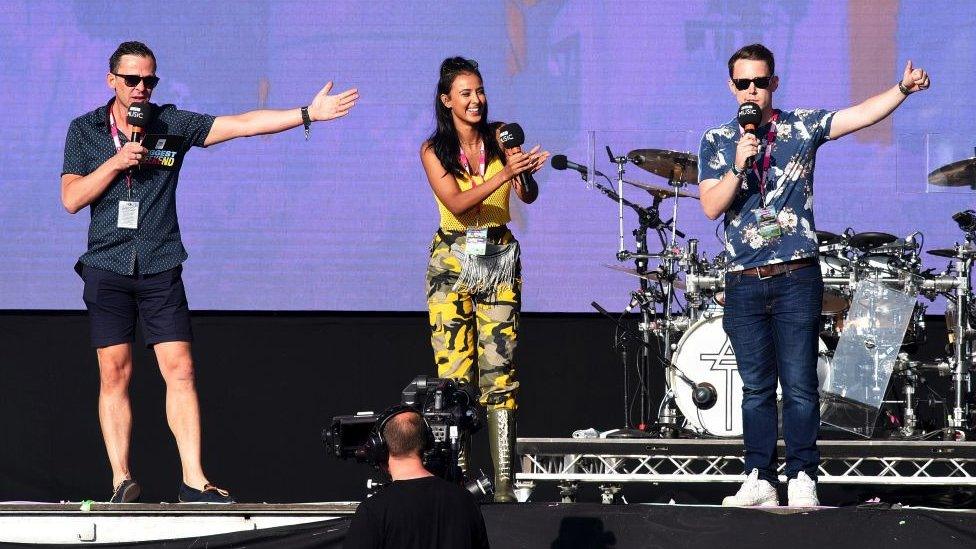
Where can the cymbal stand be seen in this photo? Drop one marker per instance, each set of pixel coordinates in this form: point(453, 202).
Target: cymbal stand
point(648, 218)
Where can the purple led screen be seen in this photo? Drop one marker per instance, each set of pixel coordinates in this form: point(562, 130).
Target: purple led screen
point(343, 221)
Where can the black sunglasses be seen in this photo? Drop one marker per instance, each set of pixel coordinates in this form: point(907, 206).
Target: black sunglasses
point(132, 80)
point(742, 84)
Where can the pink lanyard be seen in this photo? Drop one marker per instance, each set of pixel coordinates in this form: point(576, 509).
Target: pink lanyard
point(118, 147)
point(767, 157)
point(467, 167)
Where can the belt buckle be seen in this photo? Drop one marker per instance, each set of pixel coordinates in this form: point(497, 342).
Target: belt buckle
point(760, 275)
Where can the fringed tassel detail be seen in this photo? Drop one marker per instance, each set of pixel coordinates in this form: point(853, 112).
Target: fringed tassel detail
point(483, 274)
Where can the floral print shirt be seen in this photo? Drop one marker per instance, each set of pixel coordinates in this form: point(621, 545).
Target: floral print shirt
point(788, 190)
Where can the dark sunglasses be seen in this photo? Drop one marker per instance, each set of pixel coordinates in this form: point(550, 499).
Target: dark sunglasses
point(132, 80)
point(742, 84)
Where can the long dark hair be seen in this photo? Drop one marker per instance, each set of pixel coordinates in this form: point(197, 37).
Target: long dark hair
point(444, 140)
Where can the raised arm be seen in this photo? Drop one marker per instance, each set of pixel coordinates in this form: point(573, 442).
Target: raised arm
point(716, 195)
point(875, 109)
point(265, 121)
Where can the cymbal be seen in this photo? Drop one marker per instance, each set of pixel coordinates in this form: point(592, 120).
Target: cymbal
point(652, 275)
point(673, 165)
point(942, 252)
point(661, 192)
point(869, 240)
point(961, 173)
point(963, 252)
point(826, 237)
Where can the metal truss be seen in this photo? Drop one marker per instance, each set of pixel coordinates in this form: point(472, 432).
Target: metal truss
point(842, 462)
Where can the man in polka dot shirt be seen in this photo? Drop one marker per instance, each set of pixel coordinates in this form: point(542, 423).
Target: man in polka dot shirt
point(135, 252)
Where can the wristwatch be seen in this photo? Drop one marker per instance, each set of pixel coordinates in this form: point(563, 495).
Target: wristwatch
point(737, 172)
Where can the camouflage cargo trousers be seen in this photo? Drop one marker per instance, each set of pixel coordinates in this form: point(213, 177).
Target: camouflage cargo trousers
point(473, 331)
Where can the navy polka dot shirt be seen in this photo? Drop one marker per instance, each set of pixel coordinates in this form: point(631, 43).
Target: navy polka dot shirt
point(156, 245)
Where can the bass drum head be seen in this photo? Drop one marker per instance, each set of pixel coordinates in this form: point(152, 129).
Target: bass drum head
point(705, 355)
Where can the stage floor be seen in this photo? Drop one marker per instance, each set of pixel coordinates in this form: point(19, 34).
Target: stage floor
point(554, 525)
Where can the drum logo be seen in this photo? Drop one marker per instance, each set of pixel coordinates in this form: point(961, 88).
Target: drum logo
point(724, 360)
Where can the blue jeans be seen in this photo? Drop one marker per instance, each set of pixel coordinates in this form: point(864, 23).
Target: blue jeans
point(773, 325)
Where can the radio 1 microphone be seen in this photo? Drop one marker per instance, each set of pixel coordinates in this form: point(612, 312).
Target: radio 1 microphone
point(511, 136)
point(559, 162)
point(749, 117)
point(139, 117)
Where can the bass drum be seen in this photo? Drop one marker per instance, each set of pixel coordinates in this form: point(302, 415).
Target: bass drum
point(705, 355)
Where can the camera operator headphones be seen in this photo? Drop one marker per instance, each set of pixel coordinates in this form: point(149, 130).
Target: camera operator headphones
point(375, 447)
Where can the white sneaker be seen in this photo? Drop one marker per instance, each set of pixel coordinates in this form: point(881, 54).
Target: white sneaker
point(753, 492)
point(802, 491)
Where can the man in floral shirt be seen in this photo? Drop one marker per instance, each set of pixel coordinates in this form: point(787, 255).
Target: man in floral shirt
point(763, 183)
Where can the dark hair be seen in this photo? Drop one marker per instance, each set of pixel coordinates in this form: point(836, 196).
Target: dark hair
point(130, 48)
point(404, 434)
point(754, 52)
point(444, 140)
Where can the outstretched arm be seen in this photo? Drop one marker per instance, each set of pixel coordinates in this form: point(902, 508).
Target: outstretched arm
point(876, 108)
point(265, 121)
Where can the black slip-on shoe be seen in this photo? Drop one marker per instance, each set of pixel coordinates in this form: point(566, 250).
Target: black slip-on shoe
point(128, 491)
point(209, 494)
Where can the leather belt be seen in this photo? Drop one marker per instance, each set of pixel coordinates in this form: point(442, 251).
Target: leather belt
point(776, 269)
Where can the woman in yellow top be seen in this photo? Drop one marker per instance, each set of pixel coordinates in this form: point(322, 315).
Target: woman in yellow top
point(474, 275)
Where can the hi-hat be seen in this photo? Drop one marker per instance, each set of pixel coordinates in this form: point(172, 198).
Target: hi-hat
point(961, 173)
point(661, 192)
point(672, 165)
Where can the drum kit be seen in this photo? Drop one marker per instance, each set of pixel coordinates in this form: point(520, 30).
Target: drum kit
point(873, 319)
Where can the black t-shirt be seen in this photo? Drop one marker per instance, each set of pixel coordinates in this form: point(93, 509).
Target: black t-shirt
point(421, 513)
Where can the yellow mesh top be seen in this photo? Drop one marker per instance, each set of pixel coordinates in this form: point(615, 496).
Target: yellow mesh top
point(494, 209)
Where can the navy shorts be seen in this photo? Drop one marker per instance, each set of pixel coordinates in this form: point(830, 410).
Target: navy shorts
point(114, 301)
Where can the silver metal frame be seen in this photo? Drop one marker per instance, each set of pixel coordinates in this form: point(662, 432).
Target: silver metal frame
point(708, 460)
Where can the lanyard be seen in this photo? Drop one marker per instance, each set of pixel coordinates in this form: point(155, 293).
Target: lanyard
point(467, 167)
point(118, 147)
point(767, 157)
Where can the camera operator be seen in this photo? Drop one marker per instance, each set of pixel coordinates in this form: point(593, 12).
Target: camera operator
point(418, 509)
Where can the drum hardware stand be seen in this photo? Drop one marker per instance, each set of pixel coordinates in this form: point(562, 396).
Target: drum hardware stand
point(648, 218)
point(962, 348)
point(627, 333)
